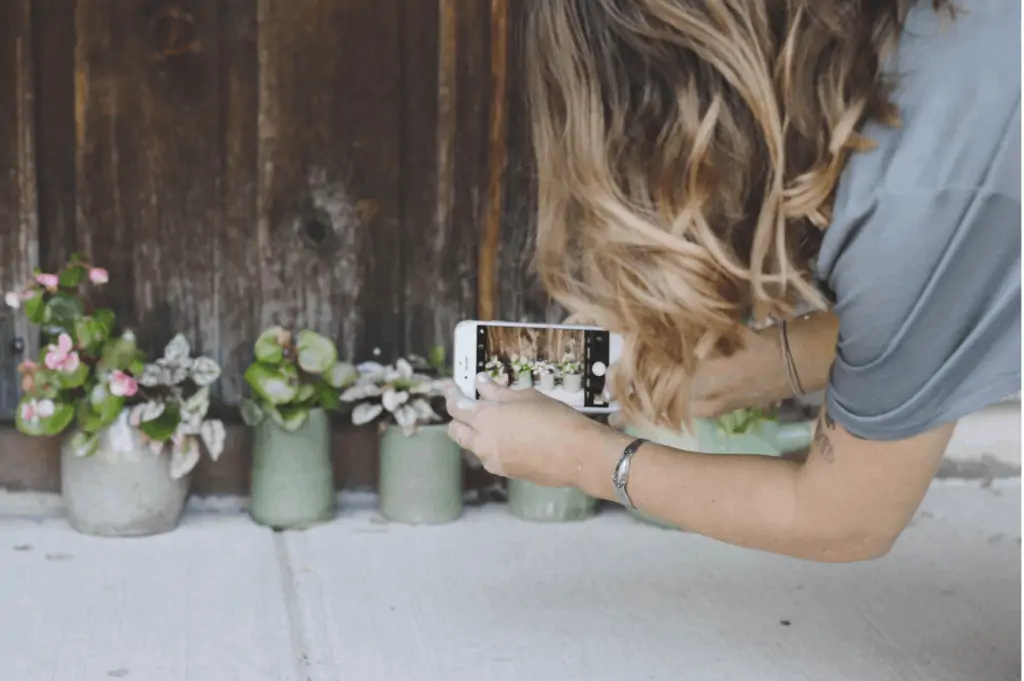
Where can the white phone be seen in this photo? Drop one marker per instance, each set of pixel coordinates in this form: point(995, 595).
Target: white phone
point(569, 363)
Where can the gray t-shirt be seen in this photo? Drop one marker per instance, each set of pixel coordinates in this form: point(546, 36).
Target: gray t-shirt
point(923, 254)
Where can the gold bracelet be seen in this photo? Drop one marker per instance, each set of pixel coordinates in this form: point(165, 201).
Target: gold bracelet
point(787, 355)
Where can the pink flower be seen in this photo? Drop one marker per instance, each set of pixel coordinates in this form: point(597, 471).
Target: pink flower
point(33, 410)
point(61, 357)
point(50, 281)
point(123, 385)
point(99, 276)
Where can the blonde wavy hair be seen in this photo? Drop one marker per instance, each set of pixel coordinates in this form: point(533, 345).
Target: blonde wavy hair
point(688, 153)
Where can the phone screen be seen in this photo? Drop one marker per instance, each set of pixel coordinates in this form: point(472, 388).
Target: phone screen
point(569, 365)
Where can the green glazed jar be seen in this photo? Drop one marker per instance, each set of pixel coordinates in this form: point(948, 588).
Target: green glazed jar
point(292, 477)
point(420, 476)
point(548, 504)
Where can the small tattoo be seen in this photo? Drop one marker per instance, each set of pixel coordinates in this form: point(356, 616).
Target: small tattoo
point(821, 441)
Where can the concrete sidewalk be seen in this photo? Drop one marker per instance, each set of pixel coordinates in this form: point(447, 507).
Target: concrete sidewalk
point(491, 597)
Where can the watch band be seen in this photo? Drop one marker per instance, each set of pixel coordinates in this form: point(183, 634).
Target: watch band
point(620, 477)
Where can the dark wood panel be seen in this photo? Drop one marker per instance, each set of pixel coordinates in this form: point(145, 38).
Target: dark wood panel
point(19, 250)
point(53, 34)
point(522, 296)
point(329, 133)
point(151, 166)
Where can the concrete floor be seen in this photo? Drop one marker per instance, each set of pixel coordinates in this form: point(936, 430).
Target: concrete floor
point(494, 598)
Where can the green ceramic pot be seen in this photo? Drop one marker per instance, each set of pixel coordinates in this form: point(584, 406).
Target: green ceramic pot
point(770, 438)
point(292, 476)
point(548, 504)
point(420, 476)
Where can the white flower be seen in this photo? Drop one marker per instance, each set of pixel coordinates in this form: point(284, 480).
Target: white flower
point(392, 399)
point(364, 413)
point(12, 299)
point(45, 409)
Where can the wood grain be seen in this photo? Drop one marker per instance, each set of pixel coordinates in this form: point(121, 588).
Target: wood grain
point(19, 239)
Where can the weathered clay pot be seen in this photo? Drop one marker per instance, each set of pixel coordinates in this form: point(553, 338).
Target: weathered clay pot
point(420, 476)
point(292, 484)
point(123, 489)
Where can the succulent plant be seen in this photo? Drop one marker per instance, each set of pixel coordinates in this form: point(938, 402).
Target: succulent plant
point(395, 394)
point(522, 365)
point(542, 367)
point(570, 366)
point(292, 375)
point(497, 370)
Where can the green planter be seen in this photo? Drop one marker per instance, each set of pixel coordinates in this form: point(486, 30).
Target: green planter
point(292, 476)
point(420, 476)
point(771, 438)
point(548, 504)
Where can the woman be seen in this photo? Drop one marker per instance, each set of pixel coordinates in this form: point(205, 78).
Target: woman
point(705, 162)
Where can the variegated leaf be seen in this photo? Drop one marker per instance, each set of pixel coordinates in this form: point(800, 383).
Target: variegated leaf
point(174, 372)
point(178, 348)
point(424, 412)
point(365, 413)
point(213, 435)
point(392, 399)
point(199, 403)
point(184, 457)
point(406, 416)
point(151, 376)
point(205, 371)
point(360, 392)
point(150, 411)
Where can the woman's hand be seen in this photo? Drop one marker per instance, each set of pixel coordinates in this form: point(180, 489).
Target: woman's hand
point(523, 434)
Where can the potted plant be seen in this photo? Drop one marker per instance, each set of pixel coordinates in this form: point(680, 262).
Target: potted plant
point(571, 370)
point(497, 370)
point(420, 466)
point(545, 372)
point(294, 380)
point(522, 369)
point(122, 413)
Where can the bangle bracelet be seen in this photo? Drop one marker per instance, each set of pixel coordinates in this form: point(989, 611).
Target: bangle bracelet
point(620, 477)
point(787, 356)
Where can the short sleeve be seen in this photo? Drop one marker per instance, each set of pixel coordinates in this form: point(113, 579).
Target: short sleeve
point(927, 291)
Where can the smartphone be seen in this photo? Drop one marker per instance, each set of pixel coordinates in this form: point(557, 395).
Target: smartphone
point(569, 363)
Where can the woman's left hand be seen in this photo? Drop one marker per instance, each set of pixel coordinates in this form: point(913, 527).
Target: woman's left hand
point(523, 434)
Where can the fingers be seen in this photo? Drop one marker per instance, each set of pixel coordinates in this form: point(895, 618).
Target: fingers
point(460, 407)
point(469, 439)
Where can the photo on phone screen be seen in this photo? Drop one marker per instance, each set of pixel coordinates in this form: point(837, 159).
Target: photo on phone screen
point(569, 365)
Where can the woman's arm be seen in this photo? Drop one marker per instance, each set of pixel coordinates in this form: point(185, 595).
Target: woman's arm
point(848, 502)
point(756, 375)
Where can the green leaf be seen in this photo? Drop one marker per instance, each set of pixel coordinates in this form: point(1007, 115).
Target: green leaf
point(341, 375)
point(437, 359)
point(291, 418)
point(271, 383)
point(76, 378)
point(251, 412)
point(327, 396)
point(35, 310)
point(63, 311)
point(106, 318)
point(71, 276)
point(88, 420)
point(306, 392)
point(52, 425)
point(90, 334)
point(119, 353)
point(84, 444)
point(268, 348)
point(317, 353)
point(110, 408)
point(162, 428)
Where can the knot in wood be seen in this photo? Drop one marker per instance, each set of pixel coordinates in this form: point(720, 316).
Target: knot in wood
point(174, 31)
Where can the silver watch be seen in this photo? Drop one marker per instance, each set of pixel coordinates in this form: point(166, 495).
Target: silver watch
point(620, 477)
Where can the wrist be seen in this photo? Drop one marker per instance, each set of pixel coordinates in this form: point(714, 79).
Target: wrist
point(600, 452)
